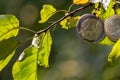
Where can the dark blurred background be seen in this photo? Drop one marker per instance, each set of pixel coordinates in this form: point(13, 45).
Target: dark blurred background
point(71, 57)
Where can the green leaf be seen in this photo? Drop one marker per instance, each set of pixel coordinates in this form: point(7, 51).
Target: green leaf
point(118, 11)
point(105, 3)
point(115, 53)
point(7, 50)
point(69, 22)
point(46, 12)
point(8, 26)
point(27, 68)
point(97, 11)
point(109, 12)
point(106, 41)
point(45, 48)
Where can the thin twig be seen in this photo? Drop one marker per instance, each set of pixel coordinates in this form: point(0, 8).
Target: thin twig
point(23, 28)
point(70, 7)
point(64, 17)
point(61, 11)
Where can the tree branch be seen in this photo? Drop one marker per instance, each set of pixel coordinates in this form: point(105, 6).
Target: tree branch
point(117, 2)
point(64, 17)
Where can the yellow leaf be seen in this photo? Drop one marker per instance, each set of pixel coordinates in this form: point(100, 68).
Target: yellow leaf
point(115, 53)
point(69, 22)
point(80, 1)
point(106, 41)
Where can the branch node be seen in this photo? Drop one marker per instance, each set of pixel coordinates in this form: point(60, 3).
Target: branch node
point(64, 17)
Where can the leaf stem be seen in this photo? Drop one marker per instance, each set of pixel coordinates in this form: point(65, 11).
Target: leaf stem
point(27, 29)
point(70, 7)
point(61, 11)
point(64, 17)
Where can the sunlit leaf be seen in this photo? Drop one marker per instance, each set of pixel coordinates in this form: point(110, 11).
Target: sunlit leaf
point(115, 53)
point(99, 11)
point(36, 41)
point(7, 50)
point(118, 11)
point(45, 48)
point(69, 22)
point(64, 23)
point(46, 12)
point(105, 4)
point(106, 41)
point(109, 12)
point(80, 1)
point(8, 26)
point(27, 68)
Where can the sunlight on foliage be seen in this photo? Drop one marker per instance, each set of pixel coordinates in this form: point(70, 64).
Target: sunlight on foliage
point(115, 53)
point(105, 3)
point(98, 12)
point(36, 41)
point(118, 11)
point(69, 22)
point(95, 1)
point(38, 53)
point(45, 49)
point(80, 1)
point(106, 41)
point(27, 68)
point(8, 26)
point(6, 53)
point(109, 12)
point(27, 65)
point(46, 13)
